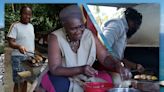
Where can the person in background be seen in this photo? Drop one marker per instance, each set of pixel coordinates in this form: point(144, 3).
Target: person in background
point(119, 29)
point(21, 39)
point(72, 50)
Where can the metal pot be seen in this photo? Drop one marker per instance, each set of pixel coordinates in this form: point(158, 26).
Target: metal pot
point(123, 90)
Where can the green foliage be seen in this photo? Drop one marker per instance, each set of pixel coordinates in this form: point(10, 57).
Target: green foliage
point(2, 49)
point(10, 16)
point(45, 16)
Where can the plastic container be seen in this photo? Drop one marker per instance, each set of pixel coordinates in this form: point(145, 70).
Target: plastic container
point(97, 87)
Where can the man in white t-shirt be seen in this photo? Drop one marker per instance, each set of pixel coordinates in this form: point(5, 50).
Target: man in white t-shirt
point(119, 29)
point(21, 39)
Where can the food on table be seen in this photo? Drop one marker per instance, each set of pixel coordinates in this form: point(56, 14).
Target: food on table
point(38, 58)
point(137, 77)
point(24, 74)
point(148, 77)
point(153, 78)
point(145, 77)
point(35, 60)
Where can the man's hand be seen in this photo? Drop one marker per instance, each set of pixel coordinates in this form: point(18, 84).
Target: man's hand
point(89, 71)
point(132, 65)
point(124, 72)
point(22, 49)
point(14, 45)
point(139, 68)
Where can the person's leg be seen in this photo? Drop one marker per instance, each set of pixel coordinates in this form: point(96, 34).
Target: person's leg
point(15, 65)
point(16, 87)
point(19, 85)
point(61, 84)
point(23, 86)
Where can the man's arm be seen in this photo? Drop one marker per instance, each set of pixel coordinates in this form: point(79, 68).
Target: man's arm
point(14, 45)
point(109, 62)
point(132, 65)
point(104, 57)
point(11, 37)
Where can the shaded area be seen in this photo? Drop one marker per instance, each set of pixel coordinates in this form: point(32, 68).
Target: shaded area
point(147, 56)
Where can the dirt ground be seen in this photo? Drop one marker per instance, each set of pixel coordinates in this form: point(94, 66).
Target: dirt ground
point(8, 86)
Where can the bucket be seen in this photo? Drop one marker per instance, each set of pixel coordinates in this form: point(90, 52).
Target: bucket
point(97, 86)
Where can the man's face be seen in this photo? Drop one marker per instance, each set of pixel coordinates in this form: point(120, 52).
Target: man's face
point(74, 28)
point(26, 15)
point(133, 27)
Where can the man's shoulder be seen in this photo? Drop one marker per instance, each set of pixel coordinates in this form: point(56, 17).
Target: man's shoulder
point(30, 24)
point(18, 24)
point(15, 24)
point(111, 22)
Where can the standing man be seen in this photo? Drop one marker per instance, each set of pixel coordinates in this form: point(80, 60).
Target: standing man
point(21, 39)
point(121, 28)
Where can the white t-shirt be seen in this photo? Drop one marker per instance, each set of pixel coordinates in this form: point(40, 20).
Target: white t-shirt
point(24, 35)
point(115, 32)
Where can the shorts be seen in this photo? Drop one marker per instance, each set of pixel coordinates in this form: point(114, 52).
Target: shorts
point(17, 67)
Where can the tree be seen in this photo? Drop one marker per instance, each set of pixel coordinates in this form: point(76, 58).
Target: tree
point(45, 19)
point(45, 16)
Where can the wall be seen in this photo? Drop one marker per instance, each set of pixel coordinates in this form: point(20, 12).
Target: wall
point(148, 34)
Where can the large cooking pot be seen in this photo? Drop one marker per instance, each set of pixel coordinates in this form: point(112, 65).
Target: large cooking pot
point(123, 90)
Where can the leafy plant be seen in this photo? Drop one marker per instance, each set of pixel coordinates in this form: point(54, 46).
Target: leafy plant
point(45, 19)
point(45, 16)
